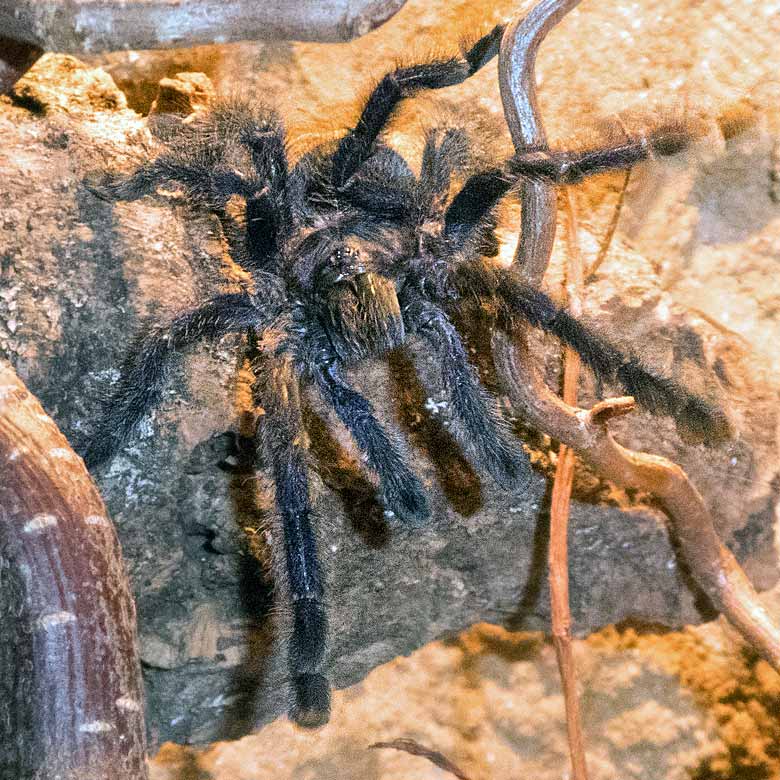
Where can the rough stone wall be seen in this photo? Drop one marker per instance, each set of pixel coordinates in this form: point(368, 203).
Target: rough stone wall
point(687, 278)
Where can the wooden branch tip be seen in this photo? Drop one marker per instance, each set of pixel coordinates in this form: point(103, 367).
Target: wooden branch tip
point(609, 409)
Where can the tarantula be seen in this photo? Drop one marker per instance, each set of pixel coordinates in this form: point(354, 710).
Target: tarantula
point(351, 253)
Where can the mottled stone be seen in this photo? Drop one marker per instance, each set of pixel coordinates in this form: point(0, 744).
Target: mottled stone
point(84, 275)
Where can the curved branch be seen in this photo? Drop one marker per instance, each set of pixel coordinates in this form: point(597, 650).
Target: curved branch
point(70, 681)
point(517, 81)
point(712, 565)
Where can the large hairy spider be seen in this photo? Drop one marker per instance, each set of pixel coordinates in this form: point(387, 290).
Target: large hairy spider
point(350, 254)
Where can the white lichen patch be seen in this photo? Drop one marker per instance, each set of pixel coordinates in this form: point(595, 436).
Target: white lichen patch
point(39, 523)
point(98, 520)
point(60, 452)
point(128, 703)
point(96, 727)
point(435, 407)
point(7, 390)
point(52, 619)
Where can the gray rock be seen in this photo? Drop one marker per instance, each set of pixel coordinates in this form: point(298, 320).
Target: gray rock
point(80, 276)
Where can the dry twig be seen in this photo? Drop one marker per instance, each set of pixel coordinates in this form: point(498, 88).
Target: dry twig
point(414, 748)
point(611, 228)
point(559, 522)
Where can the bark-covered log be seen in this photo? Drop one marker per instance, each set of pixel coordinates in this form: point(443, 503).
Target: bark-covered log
point(71, 704)
point(90, 26)
point(15, 58)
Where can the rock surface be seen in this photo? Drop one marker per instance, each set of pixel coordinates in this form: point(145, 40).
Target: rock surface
point(679, 706)
point(79, 277)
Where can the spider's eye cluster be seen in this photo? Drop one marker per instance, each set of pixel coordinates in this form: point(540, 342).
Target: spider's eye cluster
point(344, 263)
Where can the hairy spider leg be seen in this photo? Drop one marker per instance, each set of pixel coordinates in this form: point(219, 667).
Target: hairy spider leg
point(268, 214)
point(147, 366)
point(445, 151)
point(658, 394)
point(473, 205)
point(402, 492)
point(483, 431)
point(283, 440)
point(206, 159)
point(357, 145)
point(519, 302)
point(471, 212)
point(197, 177)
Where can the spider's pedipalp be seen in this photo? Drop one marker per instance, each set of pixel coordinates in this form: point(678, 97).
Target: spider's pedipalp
point(356, 146)
point(481, 428)
point(149, 361)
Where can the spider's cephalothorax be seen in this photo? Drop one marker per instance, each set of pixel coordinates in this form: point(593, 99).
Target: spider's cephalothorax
point(352, 254)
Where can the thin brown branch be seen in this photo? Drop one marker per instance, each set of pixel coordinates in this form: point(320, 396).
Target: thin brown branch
point(70, 682)
point(414, 748)
point(712, 565)
point(710, 562)
point(517, 81)
point(611, 228)
point(559, 522)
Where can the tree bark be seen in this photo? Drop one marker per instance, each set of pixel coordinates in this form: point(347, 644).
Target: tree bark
point(71, 704)
point(90, 26)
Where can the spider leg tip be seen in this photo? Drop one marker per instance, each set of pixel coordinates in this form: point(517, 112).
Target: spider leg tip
point(407, 503)
point(312, 701)
point(706, 421)
point(516, 472)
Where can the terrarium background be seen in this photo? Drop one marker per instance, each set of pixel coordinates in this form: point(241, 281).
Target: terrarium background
point(700, 235)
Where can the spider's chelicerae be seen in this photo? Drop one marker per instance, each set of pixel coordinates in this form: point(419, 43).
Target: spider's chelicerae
point(351, 254)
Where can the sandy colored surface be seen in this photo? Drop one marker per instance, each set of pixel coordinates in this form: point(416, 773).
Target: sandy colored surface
point(675, 706)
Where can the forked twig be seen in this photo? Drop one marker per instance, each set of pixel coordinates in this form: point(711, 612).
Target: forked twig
point(711, 564)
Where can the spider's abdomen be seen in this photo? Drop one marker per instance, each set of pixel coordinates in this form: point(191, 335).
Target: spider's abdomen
point(362, 317)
